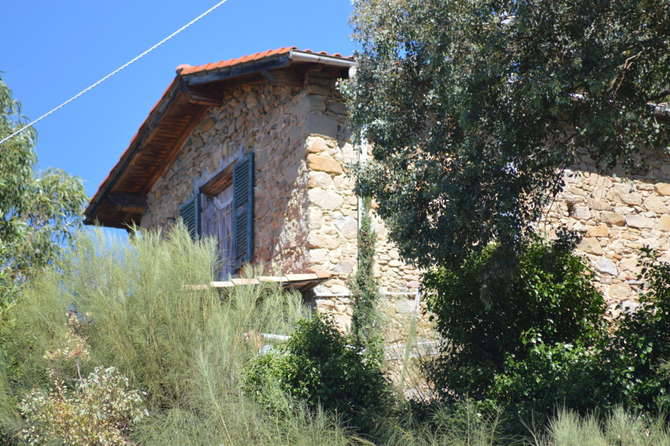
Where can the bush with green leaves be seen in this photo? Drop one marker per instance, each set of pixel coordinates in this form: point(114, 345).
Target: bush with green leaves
point(490, 313)
point(534, 338)
point(321, 367)
point(640, 350)
point(551, 376)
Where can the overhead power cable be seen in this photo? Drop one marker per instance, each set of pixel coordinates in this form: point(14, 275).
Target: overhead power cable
point(112, 73)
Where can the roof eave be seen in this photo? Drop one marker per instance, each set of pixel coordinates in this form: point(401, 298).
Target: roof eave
point(178, 84)
point(181, 84)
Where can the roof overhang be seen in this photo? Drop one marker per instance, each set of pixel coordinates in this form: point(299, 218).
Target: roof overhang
point(121, 198)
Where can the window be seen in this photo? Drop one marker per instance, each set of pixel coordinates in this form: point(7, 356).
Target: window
point(224, 209)
point(217, 222)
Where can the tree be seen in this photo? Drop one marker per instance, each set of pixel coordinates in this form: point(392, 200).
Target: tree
point(38, 213)
point(365, 322)
point(473, 108)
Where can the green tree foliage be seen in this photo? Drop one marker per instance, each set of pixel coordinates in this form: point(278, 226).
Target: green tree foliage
point(365, 318)
point(37, 212)
point(548, 299)
point(540, 341)
point(473, 107)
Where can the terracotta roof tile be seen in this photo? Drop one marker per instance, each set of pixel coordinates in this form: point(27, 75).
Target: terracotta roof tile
point(185, 69)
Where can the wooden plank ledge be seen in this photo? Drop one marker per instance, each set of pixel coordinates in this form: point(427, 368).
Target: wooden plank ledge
point(301, 282)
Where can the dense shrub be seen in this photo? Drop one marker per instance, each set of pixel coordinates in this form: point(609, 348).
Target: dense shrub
point(491, 313)
point(640, 349)
point(320, 367)
point(551, 376)
point(536, 339)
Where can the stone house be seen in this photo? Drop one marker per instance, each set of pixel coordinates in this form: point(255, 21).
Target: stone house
point(255, 151)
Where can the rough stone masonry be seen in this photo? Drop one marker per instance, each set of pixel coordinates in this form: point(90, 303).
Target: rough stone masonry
point(617, 212)
point(306, 212)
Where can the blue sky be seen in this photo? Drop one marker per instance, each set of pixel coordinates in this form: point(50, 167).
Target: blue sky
point(54, 49)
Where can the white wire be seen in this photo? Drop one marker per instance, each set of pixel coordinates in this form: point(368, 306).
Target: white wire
point(119, 69)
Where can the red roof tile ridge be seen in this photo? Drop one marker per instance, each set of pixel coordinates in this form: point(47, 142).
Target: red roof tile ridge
point(186, 70)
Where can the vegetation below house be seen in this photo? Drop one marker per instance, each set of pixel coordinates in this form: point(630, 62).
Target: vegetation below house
point(538, 339)
point(114, 346)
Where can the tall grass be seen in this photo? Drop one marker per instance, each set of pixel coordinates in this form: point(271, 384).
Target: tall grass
point(618, 428)
point(185, 347)
point(464, 424)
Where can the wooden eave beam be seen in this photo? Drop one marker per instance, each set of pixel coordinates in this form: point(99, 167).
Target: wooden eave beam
point(128, 202)
point(175, 151)
point(113, 217)
point(203, 100)
point(144, 132)
point(201, 96)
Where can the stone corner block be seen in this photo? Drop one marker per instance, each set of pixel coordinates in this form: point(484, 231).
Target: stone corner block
point(324, 163)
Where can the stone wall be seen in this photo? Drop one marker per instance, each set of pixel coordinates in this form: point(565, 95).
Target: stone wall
point(268, 120)
point(618, 213)
point(306, 213)
point(333, 220)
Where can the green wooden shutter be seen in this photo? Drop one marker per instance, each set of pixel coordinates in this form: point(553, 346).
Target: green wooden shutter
point(190, 214)
point(243, 210)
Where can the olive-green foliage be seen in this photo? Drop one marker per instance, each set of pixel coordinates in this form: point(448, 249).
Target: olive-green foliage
point(571, 375)
point(537, 341)
point(318, 366)
point(184, 347)
point(490, 315)
point(37, 212)
point(474, 107)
